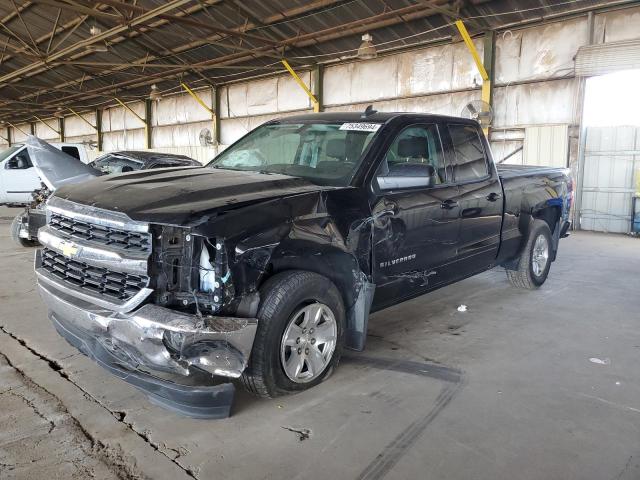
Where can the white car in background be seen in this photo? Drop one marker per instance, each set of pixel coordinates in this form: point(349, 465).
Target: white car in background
point(19, 178)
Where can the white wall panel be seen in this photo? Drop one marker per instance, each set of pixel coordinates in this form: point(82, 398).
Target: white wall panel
point(119, 118)
point(617, 26)
point(17, 136)
point(546, 145)
point(177, 109)
point(290, 95)
point(337, 84)
point(425, 71)
point(232, 129)
point(178, 135)
point(442, 104)
point(464, 73)
point(374, 79)
point(45, 132)
point(237, 100)
point(277, 94)
point(431, 70)
point(536, 103)
point(540, 52)
point(124, 140)
point(74, 126)
point(262, 96)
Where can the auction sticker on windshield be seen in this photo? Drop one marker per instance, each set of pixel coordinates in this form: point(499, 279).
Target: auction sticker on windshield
point(360, 127)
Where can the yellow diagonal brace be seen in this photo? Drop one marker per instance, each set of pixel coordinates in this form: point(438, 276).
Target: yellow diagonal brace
point(47, 125)
point(314, 100)
point(82, 118)
point(472, 49)
point(18, 128)
point(197, 98)
point(130, 110)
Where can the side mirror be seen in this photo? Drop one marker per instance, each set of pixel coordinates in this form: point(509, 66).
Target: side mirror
point(12, 163)
point(401, 182)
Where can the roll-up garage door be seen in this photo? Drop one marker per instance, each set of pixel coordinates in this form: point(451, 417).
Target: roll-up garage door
point(607, 58)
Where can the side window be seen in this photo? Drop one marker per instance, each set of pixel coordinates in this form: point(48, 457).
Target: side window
point(21, 161)
point(73, 151)
point(115, 164)
point(468, 158)
point(414, 159)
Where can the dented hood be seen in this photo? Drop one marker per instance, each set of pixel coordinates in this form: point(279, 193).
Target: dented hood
point(55, 168)
point(180, 196)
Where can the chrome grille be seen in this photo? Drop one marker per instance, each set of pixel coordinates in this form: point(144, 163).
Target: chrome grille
point(134, 241)
point(121, 286)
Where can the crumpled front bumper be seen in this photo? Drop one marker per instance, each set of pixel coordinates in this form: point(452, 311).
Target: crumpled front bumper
point(172, 356)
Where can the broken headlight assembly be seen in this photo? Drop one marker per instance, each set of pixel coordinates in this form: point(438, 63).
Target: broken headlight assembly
point(193, 274)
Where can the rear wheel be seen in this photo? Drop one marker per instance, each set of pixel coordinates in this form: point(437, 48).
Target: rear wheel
point(300, 334)
point(535, 261)
point(16, 226)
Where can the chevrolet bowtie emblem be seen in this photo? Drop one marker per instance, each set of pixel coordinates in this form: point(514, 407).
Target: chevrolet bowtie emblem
point(69, 249)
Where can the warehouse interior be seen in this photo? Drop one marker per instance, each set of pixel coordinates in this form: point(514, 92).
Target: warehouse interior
point(474, 380)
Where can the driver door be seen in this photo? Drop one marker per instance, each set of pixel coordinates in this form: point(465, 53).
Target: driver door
point(415, 215)
point(19, 178)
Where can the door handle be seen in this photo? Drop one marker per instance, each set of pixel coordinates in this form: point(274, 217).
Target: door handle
point(493, 196)
point(449, 204)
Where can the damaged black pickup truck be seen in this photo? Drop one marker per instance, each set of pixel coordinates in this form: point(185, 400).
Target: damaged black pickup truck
point(264, 264)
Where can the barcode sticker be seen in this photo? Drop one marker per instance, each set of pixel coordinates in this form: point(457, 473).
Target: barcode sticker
point(360, 127)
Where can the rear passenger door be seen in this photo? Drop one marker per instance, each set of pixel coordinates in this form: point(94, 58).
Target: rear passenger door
point(415, 216)
point(480, 198)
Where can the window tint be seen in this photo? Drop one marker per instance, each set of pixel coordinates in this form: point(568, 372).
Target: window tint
point(416, 152)
point(21, 161)
point(469, 161)
point(73, 151)
point(116, 164)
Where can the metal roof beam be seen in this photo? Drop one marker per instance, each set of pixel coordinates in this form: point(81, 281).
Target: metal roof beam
point(384, 19)
point(193, 23)
point(142, 18)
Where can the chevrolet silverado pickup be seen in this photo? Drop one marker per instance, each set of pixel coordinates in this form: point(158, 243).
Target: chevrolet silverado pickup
point(264, 265)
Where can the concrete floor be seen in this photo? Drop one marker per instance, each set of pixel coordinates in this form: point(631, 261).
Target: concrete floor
point(527, 385)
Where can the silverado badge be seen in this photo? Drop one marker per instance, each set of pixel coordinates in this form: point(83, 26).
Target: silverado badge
point(68, 249)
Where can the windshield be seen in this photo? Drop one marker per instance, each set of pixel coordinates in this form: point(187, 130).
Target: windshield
point(324, 153)
point(9, 151)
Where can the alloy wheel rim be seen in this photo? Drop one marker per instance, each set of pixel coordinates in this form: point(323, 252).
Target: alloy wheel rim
point(308, 342)
point(540, 255)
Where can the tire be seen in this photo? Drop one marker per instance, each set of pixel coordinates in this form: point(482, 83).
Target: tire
point(283, 296)
point(15, 233)
point(529, 274)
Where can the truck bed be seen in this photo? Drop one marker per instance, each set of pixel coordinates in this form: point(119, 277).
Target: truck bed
point(509, 171)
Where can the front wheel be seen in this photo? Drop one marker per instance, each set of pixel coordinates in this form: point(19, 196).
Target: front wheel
point(299, 340)
point(535, 261)
point(16, 226)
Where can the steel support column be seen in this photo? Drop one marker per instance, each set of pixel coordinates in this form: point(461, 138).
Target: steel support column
point(215, 95)
point(147, 123)
point(318, 86)
point(98, 128)
point(61, 128)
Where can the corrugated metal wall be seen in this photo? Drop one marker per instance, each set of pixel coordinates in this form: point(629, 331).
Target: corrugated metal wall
point(611, 162)
point(535, 86)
